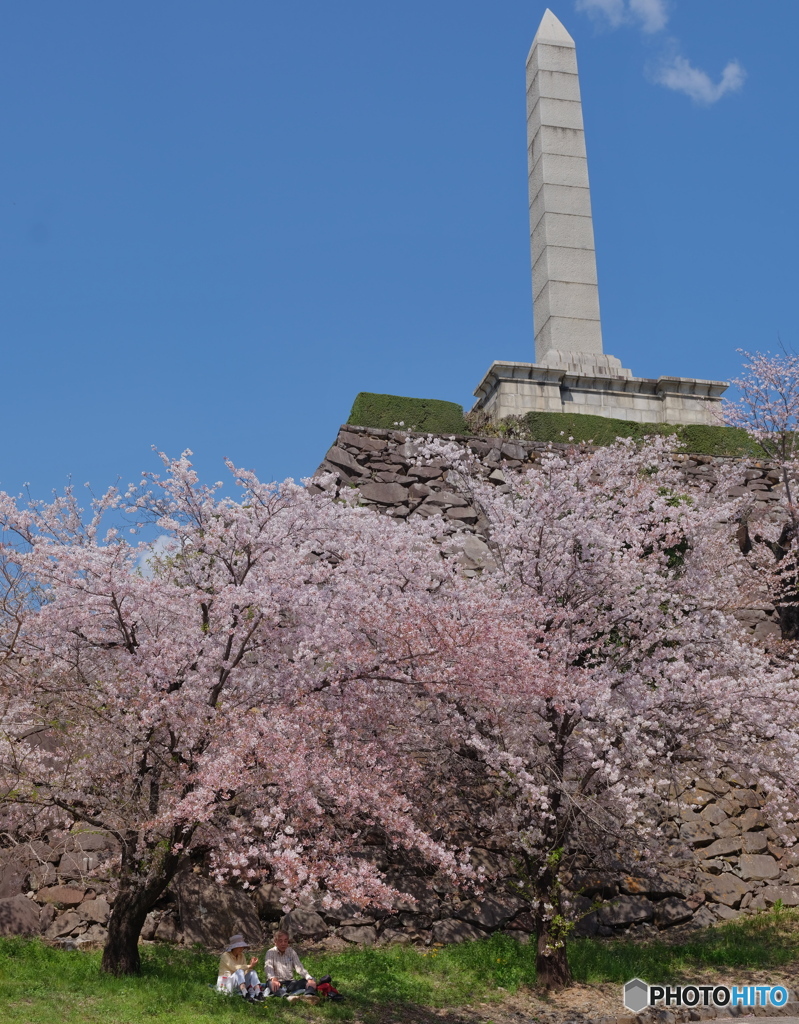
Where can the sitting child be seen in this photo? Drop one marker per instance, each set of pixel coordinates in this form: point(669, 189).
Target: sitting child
point(236, 972)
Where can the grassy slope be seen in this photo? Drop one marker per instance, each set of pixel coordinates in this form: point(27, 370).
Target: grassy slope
point(40, 985)
point(436, 417)
point(428, 415)
point(700, 440)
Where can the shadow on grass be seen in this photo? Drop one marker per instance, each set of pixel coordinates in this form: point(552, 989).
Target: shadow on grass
point(175, 982)
point(765, 941)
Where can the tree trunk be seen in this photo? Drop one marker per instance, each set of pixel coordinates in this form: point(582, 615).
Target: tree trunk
point(121, 952)
point(551, 963)
point(142, 881)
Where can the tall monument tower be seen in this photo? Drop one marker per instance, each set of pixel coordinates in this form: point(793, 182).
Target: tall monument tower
point(565, 291)
point(572, 373)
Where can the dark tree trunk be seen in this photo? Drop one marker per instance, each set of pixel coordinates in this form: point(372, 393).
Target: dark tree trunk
point(142, 881)
point(789, 620)
point(551, 963)
point(121, 953)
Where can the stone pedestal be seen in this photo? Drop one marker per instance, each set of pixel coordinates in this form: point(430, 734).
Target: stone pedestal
point(513, 389)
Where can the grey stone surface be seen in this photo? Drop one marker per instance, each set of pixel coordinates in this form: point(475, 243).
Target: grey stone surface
point(303, 924)
point(726, 828)
point(64, 924)
point(150, 925)
point(208, 910)
point(15, 866)
point(727, 888)
point(95, 911)
point(561, 230)
point(450, 929)
point(19, 916)
point(64, 895)
point(167, 929)
point(462, 515)
point(94, 937)
point(751, 819)
point(754, 842)
point(726, 913)
point(47, 915)
point(344, 460)
point(672, 911)
point(42, 875)
point(697, 833)
point(363, 935)
point(487, 913)
point(758, 867)
point(391, 936)
point(572, 372)
point(704, 918)
point(447, 499)
point(84, 841)
point(599, 388)
point(721, 848)
point(384, 494)
point(627, 910)
point(78, 865)
point(788, 895)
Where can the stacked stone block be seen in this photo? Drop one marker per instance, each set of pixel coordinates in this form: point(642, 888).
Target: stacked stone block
point(565, 292)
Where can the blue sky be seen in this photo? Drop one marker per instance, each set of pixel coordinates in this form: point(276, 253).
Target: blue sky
point(220, 221)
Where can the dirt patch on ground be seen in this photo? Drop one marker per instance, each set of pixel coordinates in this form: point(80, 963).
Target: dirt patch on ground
point(580, 1004)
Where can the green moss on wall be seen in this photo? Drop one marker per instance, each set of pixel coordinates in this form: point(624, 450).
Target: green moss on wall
point(428, 415)
point(600, 430)
point(719, 441)
point(701, 440)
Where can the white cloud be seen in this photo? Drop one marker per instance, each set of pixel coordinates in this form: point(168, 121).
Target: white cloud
point(613, 10)
point(650, 15)
point(675, 72)
point(162, 545)
point(679, 74)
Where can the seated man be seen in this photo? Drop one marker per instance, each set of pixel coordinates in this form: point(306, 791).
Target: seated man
point(236, 972)
point(280, 964)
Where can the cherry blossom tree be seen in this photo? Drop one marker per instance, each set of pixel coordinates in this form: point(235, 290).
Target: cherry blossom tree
point(607, 670)
point(768, 410)
point(296, 675)
point(210, 696)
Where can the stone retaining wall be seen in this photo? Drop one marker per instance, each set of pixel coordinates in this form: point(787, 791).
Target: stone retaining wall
point(381, 463)
point(726, 860)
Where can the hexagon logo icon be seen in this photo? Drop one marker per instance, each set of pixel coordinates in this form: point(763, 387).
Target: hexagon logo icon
point(636, 995)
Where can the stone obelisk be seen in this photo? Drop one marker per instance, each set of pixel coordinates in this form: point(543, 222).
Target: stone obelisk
point(568, 333)
point(571, 372)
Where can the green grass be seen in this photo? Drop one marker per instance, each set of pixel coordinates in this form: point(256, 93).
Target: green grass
point(766, 941)
point(601, 430)
point(42, 985)
point(428, 415)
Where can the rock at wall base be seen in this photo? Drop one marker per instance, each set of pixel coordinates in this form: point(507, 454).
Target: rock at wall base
point(450, 929)
point(19, 916)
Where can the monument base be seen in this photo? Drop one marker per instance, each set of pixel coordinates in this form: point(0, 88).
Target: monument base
point(513, 389)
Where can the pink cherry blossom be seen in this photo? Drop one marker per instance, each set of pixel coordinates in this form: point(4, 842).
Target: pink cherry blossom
point(296, 683)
